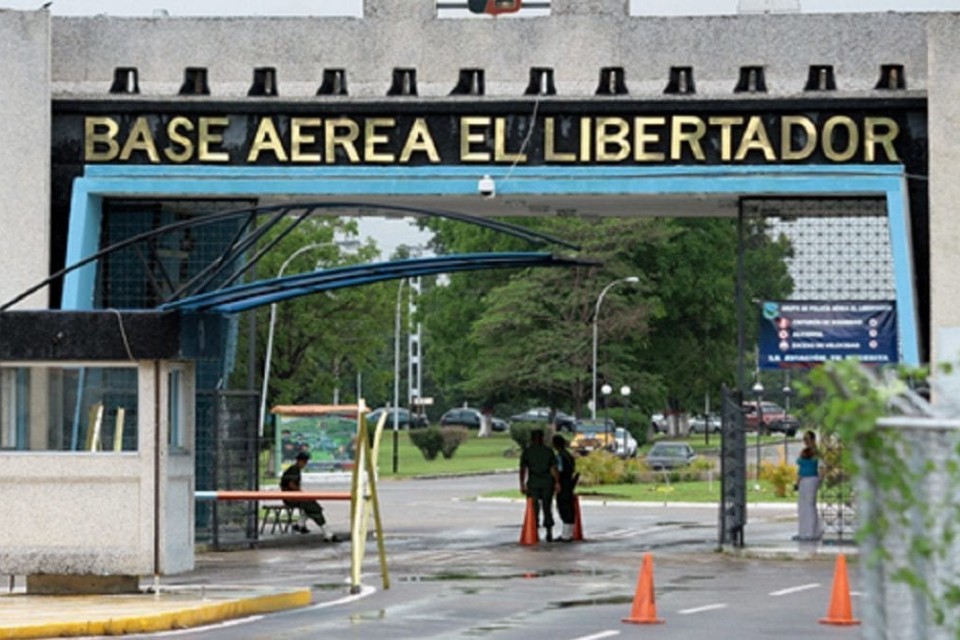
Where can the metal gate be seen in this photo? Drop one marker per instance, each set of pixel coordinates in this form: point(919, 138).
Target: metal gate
point(227, 459)
point(733, 470)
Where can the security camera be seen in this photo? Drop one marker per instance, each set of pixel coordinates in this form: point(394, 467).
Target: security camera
point(487, 187)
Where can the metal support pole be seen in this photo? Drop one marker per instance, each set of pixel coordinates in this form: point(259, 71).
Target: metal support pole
point(396, 380)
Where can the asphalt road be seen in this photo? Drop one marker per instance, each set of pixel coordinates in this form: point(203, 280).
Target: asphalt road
point(457, 571)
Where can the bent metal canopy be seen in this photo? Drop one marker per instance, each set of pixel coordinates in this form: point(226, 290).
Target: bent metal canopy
point(257, 294)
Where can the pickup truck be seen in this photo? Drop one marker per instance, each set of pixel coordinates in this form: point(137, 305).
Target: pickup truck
point(774, 417)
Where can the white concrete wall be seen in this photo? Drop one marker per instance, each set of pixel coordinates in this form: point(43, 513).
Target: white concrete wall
point(75, 513)
point(576, 41)
point(944, 136)
point(24, 153)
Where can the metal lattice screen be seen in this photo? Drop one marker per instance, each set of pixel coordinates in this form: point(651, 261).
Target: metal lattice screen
point(229, 447)
point(841, 246)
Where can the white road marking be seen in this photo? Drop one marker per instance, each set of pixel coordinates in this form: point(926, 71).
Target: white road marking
point(209, 627)
point(365, 590)
point(706, 607)
point(597, 636)
point(803, 587)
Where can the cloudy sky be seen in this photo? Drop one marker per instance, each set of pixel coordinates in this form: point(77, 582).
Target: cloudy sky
point(354, 7)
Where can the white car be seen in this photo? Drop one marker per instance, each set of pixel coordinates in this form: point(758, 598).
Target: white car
point(624, 443)
point(700, 424)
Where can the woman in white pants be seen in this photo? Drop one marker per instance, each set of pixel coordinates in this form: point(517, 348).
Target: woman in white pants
point(808, 473)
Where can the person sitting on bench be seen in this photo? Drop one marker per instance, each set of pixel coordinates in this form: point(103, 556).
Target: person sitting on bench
point(290, 481)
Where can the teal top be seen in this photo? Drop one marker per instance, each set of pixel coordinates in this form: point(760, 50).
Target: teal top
point(807, 467)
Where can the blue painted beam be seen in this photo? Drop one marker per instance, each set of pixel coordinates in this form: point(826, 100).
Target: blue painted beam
point(264, 292)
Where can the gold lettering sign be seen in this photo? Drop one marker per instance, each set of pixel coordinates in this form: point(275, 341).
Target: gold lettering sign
point(211, 136)
point(419, 140)
point(643, 138)
point(613, 144)
point(828, 142)
point(100, 139)
point(301, 135)
point(267, 139)
point(500, 153)
point(882, 131)
point(469, 136)
point(787, 127)
point(568, 139)
point(177, 131)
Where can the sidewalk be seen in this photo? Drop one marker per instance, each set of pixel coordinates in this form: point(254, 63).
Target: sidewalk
point(168, 605)
point(25, 616)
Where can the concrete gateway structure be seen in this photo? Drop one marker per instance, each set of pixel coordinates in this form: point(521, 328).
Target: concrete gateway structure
point(587, 111)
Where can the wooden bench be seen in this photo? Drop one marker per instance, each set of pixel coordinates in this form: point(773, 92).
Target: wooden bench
point(278, 516)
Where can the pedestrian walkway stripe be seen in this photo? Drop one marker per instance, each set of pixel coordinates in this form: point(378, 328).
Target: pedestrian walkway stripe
point(788, 591)
point(706, 607)
point(598, 636)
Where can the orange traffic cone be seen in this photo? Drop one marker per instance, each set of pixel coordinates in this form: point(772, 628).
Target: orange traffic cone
point(528, 535)
point(644, 609)
point(577, 521)
point(840, 611)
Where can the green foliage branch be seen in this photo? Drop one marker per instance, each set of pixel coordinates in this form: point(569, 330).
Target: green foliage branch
point(847, 399)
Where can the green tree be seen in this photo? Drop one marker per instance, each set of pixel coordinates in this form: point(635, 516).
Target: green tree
point(527, 335)
point(694, 342)
point(321, 341)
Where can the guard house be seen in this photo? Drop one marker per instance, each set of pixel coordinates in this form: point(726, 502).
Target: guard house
point(96, 466)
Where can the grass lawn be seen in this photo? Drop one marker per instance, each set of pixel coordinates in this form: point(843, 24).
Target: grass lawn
point(700, 491)
point(500, 453)
point(476, 455)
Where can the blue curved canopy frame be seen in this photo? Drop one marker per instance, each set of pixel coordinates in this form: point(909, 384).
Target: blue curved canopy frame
point(257, 294)
point(104, 181)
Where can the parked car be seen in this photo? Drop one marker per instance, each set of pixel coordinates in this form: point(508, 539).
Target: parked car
point(564, 421)
point(404, 419)
point(658, 422)
point(670, 455)
point(625, 445)
point(470, 418)
point(702, 424)
point(593, 435)
point(775, 418)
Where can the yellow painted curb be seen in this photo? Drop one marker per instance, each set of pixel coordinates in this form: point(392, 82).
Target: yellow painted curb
point(189, 616)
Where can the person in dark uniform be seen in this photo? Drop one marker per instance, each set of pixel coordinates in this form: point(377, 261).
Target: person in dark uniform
point(290, 481)
point(539, 478)
point(566, 469)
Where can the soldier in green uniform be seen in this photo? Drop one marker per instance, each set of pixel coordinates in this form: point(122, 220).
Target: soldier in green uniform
point(539, 478)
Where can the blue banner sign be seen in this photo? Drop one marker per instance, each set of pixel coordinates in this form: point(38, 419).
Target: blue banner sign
point(798, 333)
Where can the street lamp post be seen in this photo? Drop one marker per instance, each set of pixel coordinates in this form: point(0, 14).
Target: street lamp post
point(273, 320)
point(606, 390)
point(787, 394)
point(625, 392)
point(396, 379)
point(596, 314)
point(758, 392)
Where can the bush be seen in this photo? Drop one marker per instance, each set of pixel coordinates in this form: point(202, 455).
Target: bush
point(429, 441)
point(451, 439)
point(520, 432)
point(601, 467)
point(780, 476)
